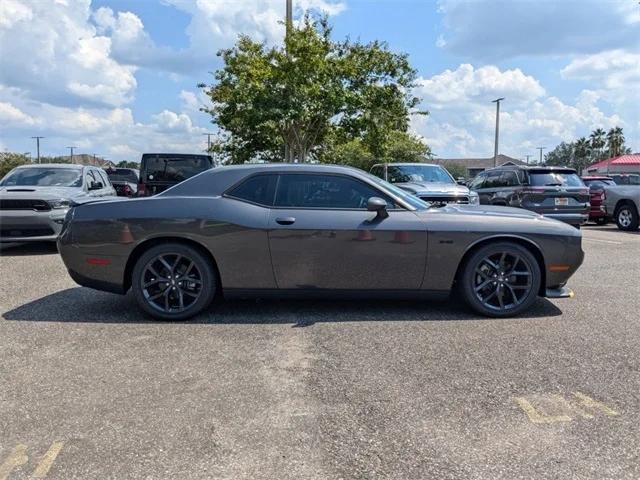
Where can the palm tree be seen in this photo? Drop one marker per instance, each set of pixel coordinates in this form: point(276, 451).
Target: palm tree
point(615, 141)
point(598, 141)
point(582, 153)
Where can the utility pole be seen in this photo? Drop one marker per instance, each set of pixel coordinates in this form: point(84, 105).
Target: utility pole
point(208, 140)
point(495, 151)
point(38, 146)
point(288, 24)
point(71, 154)
point(541, 148)
point(527, 158)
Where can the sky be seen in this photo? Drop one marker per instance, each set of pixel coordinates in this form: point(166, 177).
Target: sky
point(119, 77)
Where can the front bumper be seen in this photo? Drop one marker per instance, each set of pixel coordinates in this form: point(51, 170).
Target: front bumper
point(560, 292)
point(570, 218)
point(31, 226)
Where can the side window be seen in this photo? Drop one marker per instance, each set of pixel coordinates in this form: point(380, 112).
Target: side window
point(103, 178)
point(378, 171)
point(477, 182)
point(89, 178)
point(325, 191)
point(258, 189)
point(510, 179)
point(493, 180)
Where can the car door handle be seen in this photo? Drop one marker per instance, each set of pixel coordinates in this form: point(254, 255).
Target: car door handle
point(285, 220)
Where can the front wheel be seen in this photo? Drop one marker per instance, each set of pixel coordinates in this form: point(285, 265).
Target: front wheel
point(627, 217)
point(500, 280)
point(173, 281)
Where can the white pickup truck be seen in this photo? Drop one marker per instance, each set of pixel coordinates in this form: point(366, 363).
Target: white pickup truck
point(622, 204)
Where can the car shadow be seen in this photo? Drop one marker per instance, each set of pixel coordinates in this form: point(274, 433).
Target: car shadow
point(23, 249)
point(83, 305)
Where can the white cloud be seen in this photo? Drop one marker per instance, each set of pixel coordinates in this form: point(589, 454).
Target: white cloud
point(614, 69)
point(462, 119)
point(490, 30)
point(467, 84)
point(10, 115)
point(52, 52)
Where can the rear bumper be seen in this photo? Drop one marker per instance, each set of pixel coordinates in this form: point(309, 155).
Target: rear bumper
point(31, 226)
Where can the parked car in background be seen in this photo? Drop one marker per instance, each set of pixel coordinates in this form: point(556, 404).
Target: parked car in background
point(626, 178)
point(159, 171)
point(34, 199)
point(597, 185)
point(554, 192)
point(313, 230)
point(431, 183)
point(622, 204)
point(124, 180)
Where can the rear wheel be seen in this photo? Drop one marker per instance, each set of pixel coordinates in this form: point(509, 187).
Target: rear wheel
point(173, 281)
point(627, 217)
point(501, 280)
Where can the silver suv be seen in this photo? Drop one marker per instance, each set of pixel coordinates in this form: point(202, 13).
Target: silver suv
point(34, 199)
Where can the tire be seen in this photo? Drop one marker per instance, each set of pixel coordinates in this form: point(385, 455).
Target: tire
point(601, 221)
point(513, 293)
point(173, 282)
point(627, 217)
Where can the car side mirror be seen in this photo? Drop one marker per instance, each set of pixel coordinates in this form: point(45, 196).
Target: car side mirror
point(95, 186)
point(378, 205)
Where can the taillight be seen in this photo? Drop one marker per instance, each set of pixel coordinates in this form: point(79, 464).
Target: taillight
point(142, 191)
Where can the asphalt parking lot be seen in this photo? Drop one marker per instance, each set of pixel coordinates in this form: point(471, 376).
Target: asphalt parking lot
point(89, 388)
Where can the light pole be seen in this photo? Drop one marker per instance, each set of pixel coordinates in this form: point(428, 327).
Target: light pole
point(541, 148)
point(527, 158)
point(71, 154)
point(495, 151)
point(38, 146)
point(208, 140)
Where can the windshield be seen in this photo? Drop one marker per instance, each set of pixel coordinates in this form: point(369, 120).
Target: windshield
point(174, 169)
point(555, 179)
point(122, 175)
point(418, 173)
point(412, 200)
point(599, 183)
point(43, 177)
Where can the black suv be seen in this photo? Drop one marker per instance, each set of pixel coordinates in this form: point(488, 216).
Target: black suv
point(159, 171)
point(555, 192)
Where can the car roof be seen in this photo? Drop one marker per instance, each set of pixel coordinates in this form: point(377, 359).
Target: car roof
point(290, 167)
point(549, 168)
point(405, 164)
point(53, 165)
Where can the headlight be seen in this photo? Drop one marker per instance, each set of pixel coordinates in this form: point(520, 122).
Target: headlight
point(474, 199)
point(60, 203)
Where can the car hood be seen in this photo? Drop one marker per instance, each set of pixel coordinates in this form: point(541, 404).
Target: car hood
point(434, 188)
point(44, 193)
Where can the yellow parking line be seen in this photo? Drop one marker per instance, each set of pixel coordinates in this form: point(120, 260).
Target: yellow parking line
point(17, 457)
point(47, 460)
point(537, 417)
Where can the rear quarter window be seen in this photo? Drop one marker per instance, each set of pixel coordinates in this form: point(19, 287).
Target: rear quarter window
point(258, 189)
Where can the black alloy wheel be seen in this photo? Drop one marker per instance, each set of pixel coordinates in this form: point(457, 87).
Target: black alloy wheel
point(173, 282)
point(501, 279)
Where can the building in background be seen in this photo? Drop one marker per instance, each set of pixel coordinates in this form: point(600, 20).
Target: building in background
point(620, 164)
point(476, 165)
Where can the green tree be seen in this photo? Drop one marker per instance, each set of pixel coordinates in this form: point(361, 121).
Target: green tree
point(562, 155)
point(615, 142)
point(312, 91)
point(9, 161)
point(126, 164)
point(598, 141)
point(456, 170)
point(581, 154)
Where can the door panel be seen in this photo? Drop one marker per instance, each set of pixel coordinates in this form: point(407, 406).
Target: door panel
point(347, 249)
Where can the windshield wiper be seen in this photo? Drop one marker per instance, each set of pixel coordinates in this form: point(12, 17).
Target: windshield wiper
point(552, 184)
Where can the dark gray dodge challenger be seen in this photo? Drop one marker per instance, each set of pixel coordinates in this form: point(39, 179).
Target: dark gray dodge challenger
point(313, 230)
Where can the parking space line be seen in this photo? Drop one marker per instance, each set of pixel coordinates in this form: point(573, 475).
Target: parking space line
point(591, 403)
point(47, 460)
point(537, 417)
point(17, 457)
